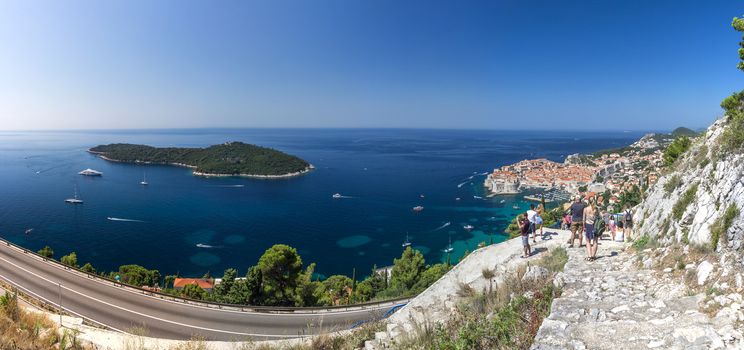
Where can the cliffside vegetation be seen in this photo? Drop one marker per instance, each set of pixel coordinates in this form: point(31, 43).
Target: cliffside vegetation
point(507, 316)
point(281, 279)
point(679, 146)
point(232, 158)
point(24, 330)
point(733, 136)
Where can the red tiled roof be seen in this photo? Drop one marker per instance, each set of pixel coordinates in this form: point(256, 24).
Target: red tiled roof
point(201, 282)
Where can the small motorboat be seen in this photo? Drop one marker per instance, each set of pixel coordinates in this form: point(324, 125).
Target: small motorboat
point(502, 201)
point(457, 199)
point(477, 197)
point(418, 208)
point(468, 227)
point(28, 231)
point(337, 195)
point(515, 207)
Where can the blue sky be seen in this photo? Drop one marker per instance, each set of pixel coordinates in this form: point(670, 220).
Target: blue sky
point(637, 65)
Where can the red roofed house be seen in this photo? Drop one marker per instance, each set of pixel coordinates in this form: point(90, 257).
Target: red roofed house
point(205, 283)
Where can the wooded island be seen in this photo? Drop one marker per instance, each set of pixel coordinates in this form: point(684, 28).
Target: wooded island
point(227, 159)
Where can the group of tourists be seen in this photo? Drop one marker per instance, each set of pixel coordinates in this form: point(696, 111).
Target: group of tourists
point(584, 219)
point(529, 224)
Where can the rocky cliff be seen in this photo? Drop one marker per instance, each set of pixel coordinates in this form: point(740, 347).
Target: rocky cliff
point(690, 203)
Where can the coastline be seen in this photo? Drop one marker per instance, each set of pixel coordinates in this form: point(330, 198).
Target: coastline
point(309, 168)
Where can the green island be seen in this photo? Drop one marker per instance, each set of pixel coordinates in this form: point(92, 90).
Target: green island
point(227, 159)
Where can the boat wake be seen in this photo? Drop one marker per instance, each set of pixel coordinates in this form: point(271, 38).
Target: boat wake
point(200, 245)
point(443, 226)
point(123, 220)
point(230, 186)
point(463, 184)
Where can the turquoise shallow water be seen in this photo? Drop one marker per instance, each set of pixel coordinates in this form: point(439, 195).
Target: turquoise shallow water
point(190, 225)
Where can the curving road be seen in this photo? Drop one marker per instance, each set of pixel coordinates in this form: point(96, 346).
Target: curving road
point(122, 309)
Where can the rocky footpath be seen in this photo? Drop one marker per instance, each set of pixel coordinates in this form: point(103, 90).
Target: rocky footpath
point(617, 303)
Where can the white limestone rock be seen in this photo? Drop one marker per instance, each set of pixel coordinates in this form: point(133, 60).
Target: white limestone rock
point(703, 271)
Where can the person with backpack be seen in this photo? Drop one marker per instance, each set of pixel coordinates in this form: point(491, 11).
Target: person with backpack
point(524, 229)
point(627, 223)
point(577, 222)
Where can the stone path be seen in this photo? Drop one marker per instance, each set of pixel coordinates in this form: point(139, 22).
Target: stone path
point(611, 304)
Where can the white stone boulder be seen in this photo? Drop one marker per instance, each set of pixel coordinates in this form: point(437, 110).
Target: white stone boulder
point(535, 274)
point(703, 271)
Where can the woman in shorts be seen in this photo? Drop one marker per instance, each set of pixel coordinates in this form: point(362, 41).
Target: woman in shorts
point(590, 219)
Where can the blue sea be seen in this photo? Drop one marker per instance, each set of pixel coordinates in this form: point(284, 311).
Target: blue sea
point(191, 225)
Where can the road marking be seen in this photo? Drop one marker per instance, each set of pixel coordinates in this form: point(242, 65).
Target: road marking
point(149, 316)
point(372, 308)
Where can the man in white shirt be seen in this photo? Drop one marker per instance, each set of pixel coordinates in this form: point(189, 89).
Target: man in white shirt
point(531, 218)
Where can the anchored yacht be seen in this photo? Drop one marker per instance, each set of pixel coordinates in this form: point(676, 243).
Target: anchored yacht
point(75, 199)
point(90, 172)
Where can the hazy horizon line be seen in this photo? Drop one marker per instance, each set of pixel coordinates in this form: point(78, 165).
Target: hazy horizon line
point(342, 128)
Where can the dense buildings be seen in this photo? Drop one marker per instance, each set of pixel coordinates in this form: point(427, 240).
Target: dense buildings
point(539, 173)
point(613, 173)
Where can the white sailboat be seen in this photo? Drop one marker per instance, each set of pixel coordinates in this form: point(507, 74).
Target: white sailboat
point(75, 199)
point(144, 180)
point(407, 243)
point(449, 248)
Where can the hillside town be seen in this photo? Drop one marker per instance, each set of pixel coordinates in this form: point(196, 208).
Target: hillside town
point(618, 171)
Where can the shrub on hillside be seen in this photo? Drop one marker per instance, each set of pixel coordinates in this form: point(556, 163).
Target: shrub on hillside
point(719, 228)
point(679, 146)
point(684, 201)
point(672, 184)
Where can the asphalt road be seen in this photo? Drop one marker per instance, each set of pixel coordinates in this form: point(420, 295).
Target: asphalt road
point(125, 309)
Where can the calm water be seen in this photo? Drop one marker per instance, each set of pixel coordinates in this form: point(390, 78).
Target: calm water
point(384, 172)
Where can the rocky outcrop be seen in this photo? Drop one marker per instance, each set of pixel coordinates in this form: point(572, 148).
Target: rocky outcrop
point(718, 177)
point(437, 303)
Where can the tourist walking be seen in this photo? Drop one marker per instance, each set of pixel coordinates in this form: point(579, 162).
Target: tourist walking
point(539, 219)
point(613, 226)
point(590, 219)
point(524, 229)
point(628, 224)
point(531, 219)
point(577, 221)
